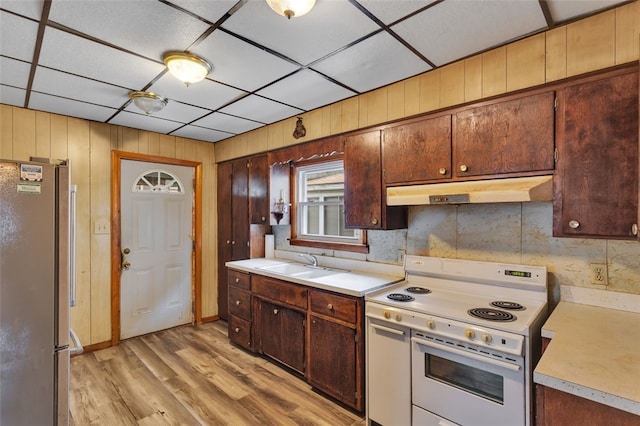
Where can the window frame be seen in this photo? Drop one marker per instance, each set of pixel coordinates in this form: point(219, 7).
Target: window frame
point(358, 245)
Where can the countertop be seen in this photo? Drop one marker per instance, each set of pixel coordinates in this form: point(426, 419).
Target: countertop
point(594, 353)
point(345, 282)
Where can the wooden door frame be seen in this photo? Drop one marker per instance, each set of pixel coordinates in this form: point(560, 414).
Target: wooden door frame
point(116, 249)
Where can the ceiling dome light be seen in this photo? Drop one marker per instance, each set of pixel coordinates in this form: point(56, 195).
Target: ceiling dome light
point(149, 102)
point(291, 8)
point(187, 67)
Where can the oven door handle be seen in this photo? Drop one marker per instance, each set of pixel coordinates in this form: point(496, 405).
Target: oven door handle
point(455, 351)
point(388, 329)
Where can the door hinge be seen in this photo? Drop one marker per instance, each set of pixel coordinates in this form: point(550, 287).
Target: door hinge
point(555, 155)
point(355, 338)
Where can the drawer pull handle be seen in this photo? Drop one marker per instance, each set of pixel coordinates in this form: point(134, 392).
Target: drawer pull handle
point(442, 171)
point(238, 302)
point(374, 221)
point(464, 168)
point(237, 279)
point(634, 229)
point(330, 307)
point(275, 312)
point(237, 330)
point(574, 224)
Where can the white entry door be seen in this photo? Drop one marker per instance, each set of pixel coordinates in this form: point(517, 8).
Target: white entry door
point(156, 222)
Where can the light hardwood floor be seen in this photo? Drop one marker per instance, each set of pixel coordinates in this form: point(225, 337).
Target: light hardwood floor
point(192, 376)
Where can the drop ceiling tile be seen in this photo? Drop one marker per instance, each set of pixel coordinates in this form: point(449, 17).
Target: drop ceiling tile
point(562, 10)
point(209, 10)
point(144, 27)
point(14, 73)
point(71, 108)
point(145, 122)
point(260, 109)
point(306, 90)
point(372, 63)
point(29, 8)
point(12, 96)
point(17, 36)
point(78, 88)
point(207, 94)
point(227, 123)
point(66, 52)
point(200, 133)
point(390, 11)
point(329, 26)
point(241, 64)
point(487, 23)
point(175, 111)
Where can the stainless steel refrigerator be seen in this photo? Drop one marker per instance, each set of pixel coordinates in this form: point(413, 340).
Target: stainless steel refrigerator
point(37, 204)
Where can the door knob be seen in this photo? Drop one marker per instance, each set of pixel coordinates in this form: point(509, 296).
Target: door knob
point(126, 264)
point(126, 250)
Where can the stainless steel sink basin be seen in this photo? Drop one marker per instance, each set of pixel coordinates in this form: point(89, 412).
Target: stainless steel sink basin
point(300, 271)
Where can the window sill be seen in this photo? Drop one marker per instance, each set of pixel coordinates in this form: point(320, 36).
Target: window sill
point(356, 248)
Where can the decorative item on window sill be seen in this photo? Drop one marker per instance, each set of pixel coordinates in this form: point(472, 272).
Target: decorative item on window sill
point(279, 209)
point(291, 8)
point(149, 102)
point(300, 131)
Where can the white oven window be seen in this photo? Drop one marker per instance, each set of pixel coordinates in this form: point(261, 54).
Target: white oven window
point(470, 379)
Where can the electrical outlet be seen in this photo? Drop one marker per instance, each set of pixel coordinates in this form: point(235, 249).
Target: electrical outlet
point(401, 254)
point(598, 274)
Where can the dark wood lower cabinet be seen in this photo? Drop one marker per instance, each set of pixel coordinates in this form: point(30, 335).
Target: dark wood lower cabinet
point(281, 334)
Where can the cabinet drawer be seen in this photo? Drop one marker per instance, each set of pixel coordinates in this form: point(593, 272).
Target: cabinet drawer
point(239, 279)
point(332, 305)
point(240, 302)
point(240, 332)
point(283, 292)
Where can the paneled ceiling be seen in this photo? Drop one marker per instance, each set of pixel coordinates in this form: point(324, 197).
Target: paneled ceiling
point(81, 58)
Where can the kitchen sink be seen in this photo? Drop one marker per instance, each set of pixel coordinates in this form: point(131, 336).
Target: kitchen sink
point(300, 271)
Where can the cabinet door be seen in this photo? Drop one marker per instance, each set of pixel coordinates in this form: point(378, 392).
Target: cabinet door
point(225, 218)
point(362, 181)
point(282, 334)
point(597, 180)
point(259, 190)
point(240, 209)
point(514, 136)
point(418, 151)
point(332, 360)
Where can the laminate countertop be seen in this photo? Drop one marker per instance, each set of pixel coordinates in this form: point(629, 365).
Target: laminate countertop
point(594, 353)
point(353, 283)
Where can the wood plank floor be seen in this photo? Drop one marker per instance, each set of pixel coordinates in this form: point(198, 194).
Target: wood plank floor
point(192, 376)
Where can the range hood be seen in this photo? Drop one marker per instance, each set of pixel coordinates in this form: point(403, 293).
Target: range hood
point(510, 190)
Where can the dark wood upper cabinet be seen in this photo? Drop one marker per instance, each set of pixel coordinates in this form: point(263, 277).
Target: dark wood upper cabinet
point(505, 137)
point(259, 190)
point(417, 151)
point(596, 187)
point(364, 198)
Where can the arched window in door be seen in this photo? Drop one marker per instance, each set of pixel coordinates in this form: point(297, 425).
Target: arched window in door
point(158, 181)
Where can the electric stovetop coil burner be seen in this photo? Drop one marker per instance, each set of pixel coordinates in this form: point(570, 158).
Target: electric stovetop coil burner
point(400, 297)
point(417, 290)
point(491, 314)
point(511, 306)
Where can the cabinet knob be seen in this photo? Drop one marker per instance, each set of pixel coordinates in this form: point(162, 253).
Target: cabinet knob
point(237, 330)
point(574, 224)
point(228, 242)
point(442, 171)
point(330, 306)
point(233, 242)
point(264, 218)
point(464, 168)
point(237, 279)
point(275, 312)
point(374, 221)
point(238, 302)
point(634, 229)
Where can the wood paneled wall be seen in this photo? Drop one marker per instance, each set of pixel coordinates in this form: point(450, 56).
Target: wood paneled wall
point(600, 41)
point(25, 133)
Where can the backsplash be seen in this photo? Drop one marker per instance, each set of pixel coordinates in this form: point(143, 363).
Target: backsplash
point(509, 232)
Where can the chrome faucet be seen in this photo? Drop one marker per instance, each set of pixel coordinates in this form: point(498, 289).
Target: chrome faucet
point(311, 258)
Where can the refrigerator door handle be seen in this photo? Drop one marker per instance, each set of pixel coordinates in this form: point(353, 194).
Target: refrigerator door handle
point(72, 244)
point(77, 346)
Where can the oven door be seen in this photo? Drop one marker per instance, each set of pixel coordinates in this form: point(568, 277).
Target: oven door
point(466, 388)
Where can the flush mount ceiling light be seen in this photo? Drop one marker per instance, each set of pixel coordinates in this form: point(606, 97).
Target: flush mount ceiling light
point(149, 102)
point(187, 67)
point(291, 8)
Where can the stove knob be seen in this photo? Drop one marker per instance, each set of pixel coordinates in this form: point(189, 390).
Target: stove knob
point(469, 333)
point(386, 314)
point(486, 338)
point(431, 324)
point(398, 317)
